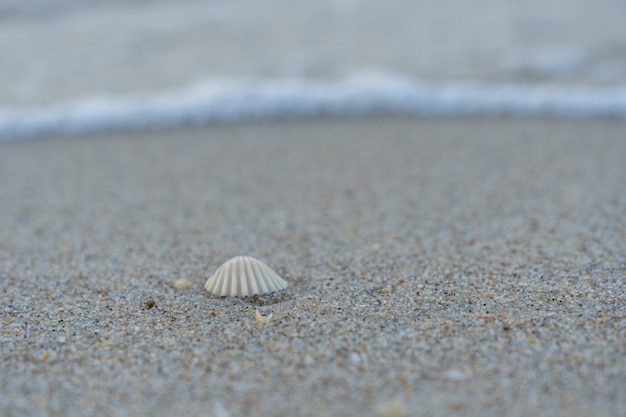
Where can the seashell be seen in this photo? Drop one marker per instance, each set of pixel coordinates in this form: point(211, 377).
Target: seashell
point(244, 275)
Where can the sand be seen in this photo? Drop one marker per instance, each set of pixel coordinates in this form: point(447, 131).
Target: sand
point(437, 268)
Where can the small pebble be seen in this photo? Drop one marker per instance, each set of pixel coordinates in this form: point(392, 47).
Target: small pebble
point(182, 284)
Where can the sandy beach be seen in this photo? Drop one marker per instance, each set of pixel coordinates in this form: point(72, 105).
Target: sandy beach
point(437, 267)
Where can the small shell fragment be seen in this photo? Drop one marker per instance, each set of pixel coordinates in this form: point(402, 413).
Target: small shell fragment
point(242, 276)
point(263, 319)
point(182, 284)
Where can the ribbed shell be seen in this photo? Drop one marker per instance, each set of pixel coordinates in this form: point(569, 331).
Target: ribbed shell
point(244, 275)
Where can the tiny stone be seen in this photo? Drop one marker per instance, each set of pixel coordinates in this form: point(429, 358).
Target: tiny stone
point(182, 284)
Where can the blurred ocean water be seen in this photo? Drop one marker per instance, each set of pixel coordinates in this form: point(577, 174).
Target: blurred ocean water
point(80, 64)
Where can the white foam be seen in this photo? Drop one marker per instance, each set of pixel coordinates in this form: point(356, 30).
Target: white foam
point(362, 94)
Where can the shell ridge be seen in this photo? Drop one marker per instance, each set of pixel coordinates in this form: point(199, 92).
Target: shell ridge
point(280, 283)
point(269, 281)
point(283, 284)
point(224, 280)
point(269, 277)
point(211, 281)
point(260, 278)
point(235, 278)
point(244, 278)
point(276, 280)
point(253, 289)
point(210, 284)
point(219, 277)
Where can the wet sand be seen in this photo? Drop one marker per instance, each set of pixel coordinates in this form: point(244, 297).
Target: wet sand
point(437, 267)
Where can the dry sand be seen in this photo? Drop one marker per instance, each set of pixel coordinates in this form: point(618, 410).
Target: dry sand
point(436, 268)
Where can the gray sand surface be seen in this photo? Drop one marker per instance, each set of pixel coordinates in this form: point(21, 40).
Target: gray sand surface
point(436, 268)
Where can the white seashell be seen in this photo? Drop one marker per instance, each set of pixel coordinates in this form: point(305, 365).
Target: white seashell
point(244, 275)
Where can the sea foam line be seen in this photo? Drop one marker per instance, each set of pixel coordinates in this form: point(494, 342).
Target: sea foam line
point(363, 94)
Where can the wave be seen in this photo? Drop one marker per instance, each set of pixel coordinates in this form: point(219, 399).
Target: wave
point(358, 95)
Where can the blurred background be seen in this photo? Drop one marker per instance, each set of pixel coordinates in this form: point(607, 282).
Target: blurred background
point(58, 51)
